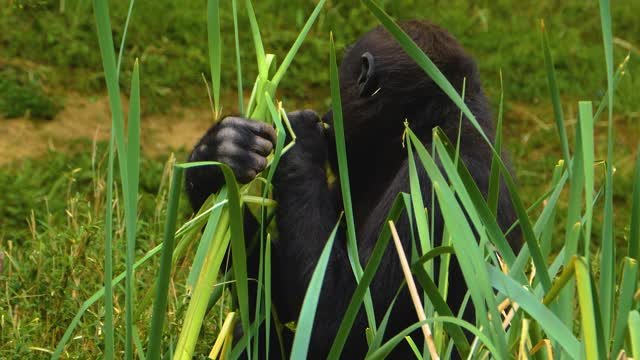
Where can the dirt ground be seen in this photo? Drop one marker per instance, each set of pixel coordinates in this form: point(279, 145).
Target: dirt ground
point(90, 118)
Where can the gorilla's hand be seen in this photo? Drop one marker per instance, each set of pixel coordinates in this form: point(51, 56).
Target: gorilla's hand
point(242, 144)
point(311, 139)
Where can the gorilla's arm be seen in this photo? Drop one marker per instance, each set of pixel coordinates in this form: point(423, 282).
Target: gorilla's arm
point(307, 213)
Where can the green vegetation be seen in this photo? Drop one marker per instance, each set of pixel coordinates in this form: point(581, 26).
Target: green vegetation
point(60, 37)
point(52, 212)
point(21, 96)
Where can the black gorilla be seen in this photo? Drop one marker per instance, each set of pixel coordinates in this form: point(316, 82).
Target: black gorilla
point(381, 86)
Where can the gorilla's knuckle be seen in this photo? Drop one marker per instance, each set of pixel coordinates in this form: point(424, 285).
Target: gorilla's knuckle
point(259, 161)
point(227, 148)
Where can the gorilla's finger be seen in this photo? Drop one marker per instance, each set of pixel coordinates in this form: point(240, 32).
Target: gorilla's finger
point(307, 116)
point(262, 146)
point(246, 176)
point(257, 162)
point(257, 127)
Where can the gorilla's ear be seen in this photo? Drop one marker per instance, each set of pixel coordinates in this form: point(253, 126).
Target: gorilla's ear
point(367, 82)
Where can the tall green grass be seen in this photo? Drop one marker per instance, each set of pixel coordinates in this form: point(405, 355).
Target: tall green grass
point(527, 304)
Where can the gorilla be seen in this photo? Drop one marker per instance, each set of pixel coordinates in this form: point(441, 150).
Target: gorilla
point(381, 86)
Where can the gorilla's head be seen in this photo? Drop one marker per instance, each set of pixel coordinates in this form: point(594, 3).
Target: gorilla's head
point(381, 85)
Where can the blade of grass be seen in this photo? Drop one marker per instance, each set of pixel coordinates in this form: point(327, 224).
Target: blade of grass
point(164, 274)
point(585, 118)
point(105, 41)
point(629, 284)
point(555, 93)
point(420, 215)
point(464, 242)
point(257, 42)
point(296, 44)
point(565, 306)
point(467, 188)
point(310, 302)
point(343, 170)
point(234, 4)
point(607, 272)
point(131, 212)
point(385, 349)
point(215, 51)
point(196, 310)
point(634, 225)
point(108, 256)
point(280, 139)
point(549, 322)
point(440, 305)
point(494, 177)
point(634, 332)
point(377, 340)
point(198, 303)
point(205, 241)
point(588, 321)
point(108, 252)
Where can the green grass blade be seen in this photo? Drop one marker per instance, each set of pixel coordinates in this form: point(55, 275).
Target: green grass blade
point(466, 185)
point(546, 226)
point(628, 286)
point(413, 347)
point(494, 177)
point(555, 94)
point(186, 343)
point(549, 322)
point(464, 242)
point(108, 256)
point(296, 45)
point(131, 213)
point(164, 274)
point(377, 339)
point(384, 350)
point(124, 36)
point(197, 307)
point(573, 225)
point(607, 276)
point(419, 213)
point(310, 302)
point(634, 225)
point(108, 264)
point(205, 241)
point(280, 139)
point(369, 271)
point(234, 4)
point(257, 42)
point(105, 40)
point(634, 332)
point(587, 310)
point(440, 305)
point(620, 72)
point(585, 118)
point(215, 50)
point(343, 170)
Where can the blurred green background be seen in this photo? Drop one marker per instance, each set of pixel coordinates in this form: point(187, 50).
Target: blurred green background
point(54, 119)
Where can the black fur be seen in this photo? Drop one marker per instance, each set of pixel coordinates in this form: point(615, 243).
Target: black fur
point(308, 207)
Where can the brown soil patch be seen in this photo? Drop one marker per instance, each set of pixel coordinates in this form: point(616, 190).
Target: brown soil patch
point(85, 117)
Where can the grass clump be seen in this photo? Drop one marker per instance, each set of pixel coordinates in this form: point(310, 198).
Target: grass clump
point(22, 95)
